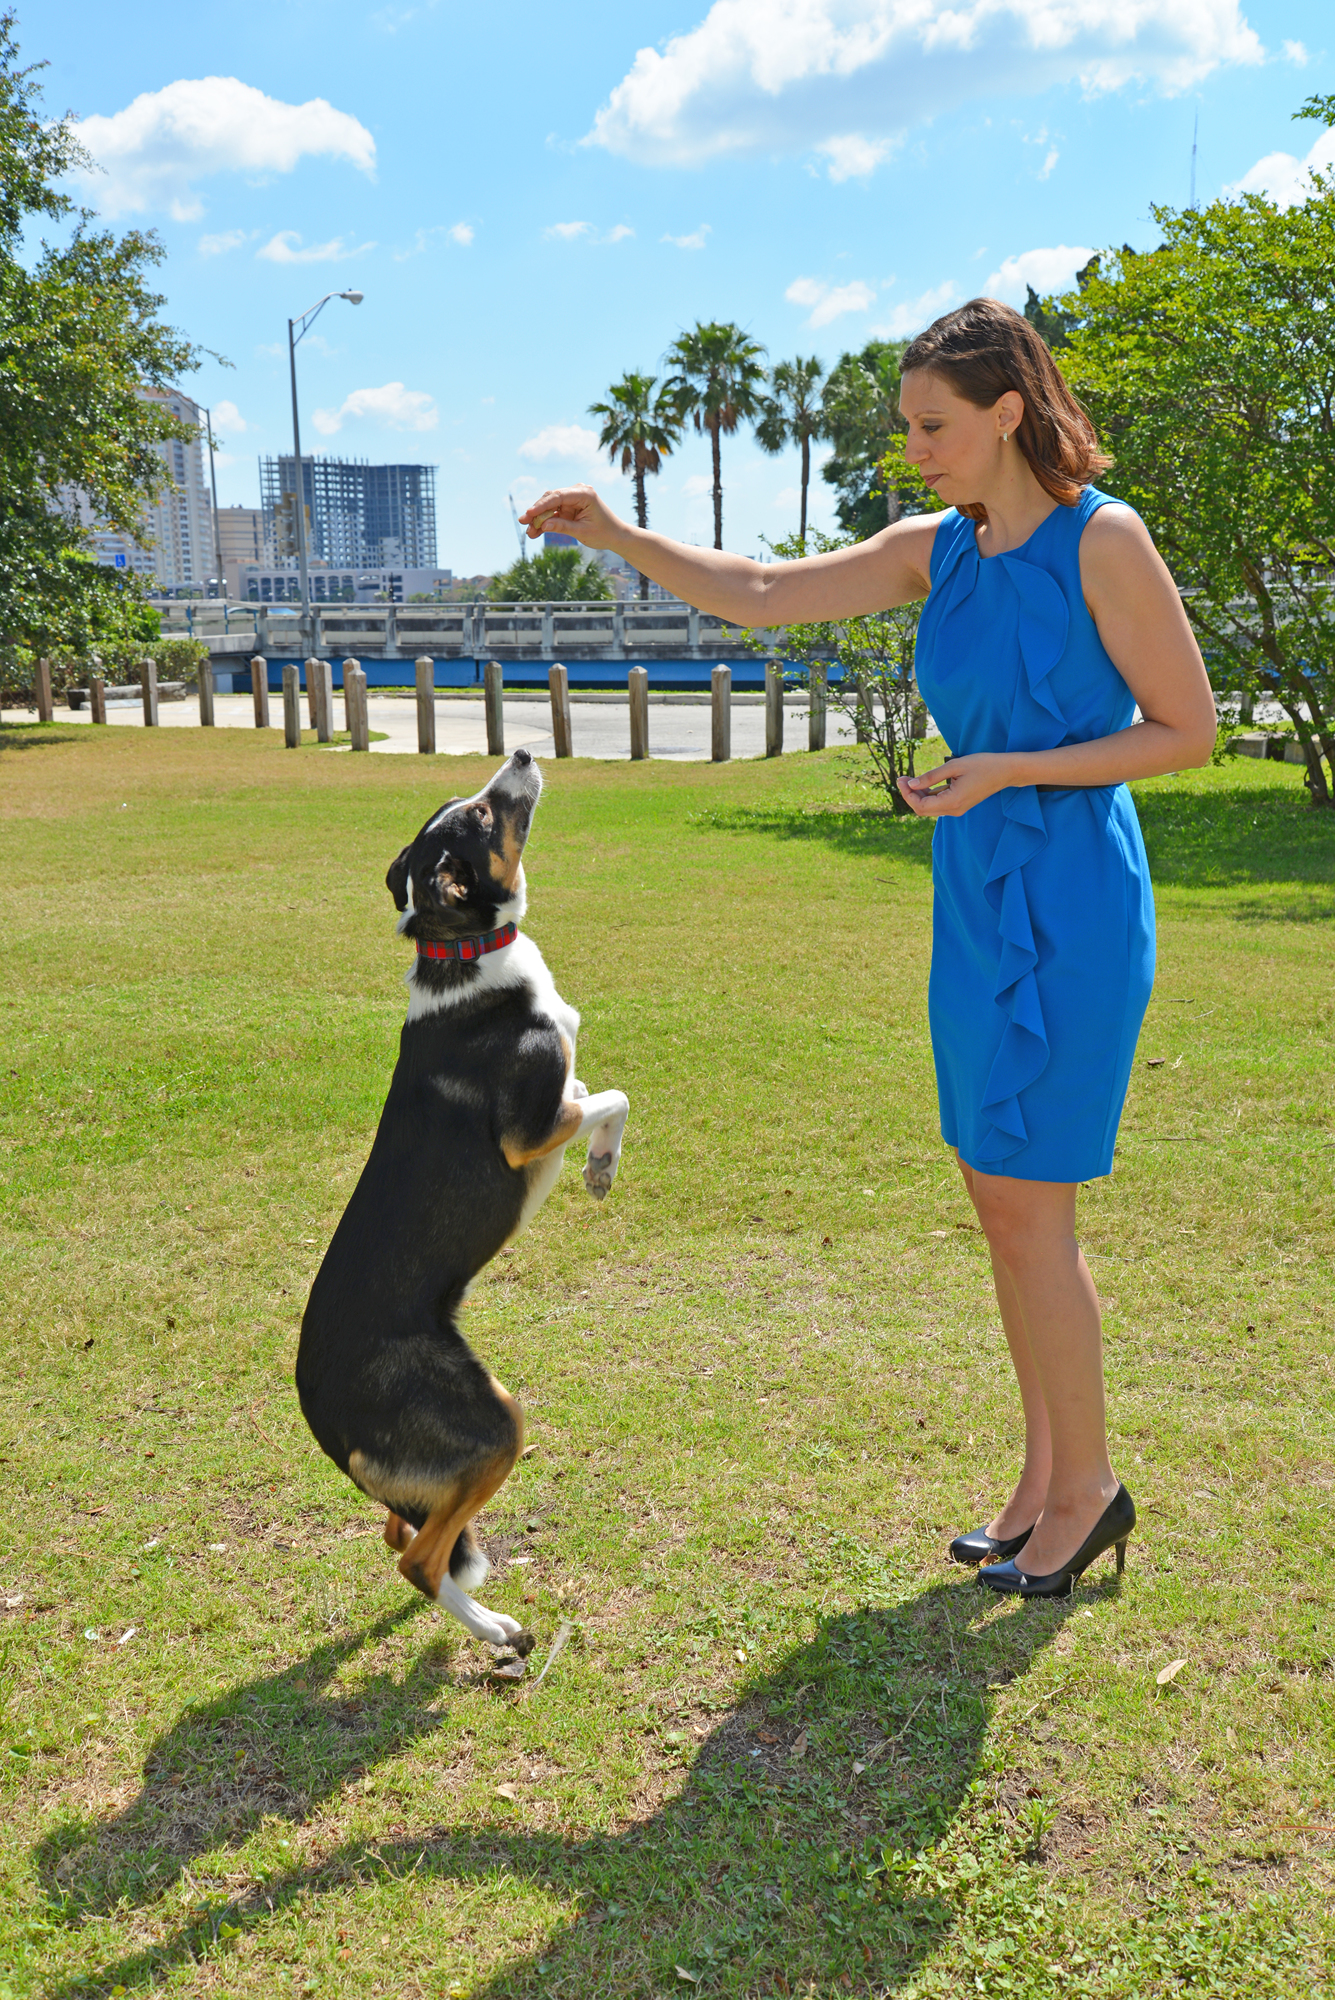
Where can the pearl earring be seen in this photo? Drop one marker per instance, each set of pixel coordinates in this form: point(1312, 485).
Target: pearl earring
point(1005, 435)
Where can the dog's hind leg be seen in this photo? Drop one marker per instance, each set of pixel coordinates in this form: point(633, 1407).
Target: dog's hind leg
point(443, 1555)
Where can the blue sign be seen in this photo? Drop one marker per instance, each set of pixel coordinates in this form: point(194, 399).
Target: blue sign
point(118, 562)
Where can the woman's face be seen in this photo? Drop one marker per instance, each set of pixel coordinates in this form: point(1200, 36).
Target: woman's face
point(956, 446)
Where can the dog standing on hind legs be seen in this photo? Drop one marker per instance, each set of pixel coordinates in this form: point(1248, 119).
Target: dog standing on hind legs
point(482, 1105)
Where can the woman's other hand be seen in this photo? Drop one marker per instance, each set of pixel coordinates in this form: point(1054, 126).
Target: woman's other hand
point(573, 510)
point(954, 787)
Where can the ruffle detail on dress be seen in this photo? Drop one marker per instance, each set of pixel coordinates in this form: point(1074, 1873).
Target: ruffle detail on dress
point(1038, 724)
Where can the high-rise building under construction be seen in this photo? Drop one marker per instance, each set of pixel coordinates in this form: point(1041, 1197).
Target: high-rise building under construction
point(381, 516)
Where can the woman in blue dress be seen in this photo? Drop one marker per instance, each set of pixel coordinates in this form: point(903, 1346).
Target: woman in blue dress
point(1049, 620)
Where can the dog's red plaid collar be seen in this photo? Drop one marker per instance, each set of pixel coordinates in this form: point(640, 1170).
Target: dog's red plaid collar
point(469, 947)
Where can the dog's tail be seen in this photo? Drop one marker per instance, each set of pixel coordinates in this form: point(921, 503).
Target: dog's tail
point(468, 1566)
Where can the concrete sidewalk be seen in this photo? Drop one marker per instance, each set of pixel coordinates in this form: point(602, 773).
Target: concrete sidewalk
point(679, 725)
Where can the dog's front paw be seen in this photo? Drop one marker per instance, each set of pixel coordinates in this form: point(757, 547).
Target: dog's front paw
point(578, 1089)
point(599, 1173)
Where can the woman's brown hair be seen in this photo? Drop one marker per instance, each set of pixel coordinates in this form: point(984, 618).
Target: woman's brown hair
point(984, 348)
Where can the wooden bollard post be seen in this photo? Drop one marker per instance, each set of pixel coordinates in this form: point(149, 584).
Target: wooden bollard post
point(292, 705)
point(819, 691)
point(426, 707)
point(349, 695)
point(148, 681)
point(313, 691)
point(324, 700)
point(205, 682)
point(354, 688)
point(97, 691)
point(259, 690)
point(637, 684)
point(773, 709)
point(558, 681)
point(46, 711)
point(493, 685)
point(720, 703)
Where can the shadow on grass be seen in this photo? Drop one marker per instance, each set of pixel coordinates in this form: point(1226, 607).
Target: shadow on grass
point(874, 831)
point(1215, 839)
point(790, 1852)
point(37, 735)
point(1235, 838)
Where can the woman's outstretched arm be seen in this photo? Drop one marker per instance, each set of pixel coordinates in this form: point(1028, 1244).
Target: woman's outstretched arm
point(891, 568)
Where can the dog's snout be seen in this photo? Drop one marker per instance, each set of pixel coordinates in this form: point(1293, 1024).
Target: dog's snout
point(521, 758)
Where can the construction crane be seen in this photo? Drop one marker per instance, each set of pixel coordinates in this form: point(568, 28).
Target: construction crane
point(519, 532)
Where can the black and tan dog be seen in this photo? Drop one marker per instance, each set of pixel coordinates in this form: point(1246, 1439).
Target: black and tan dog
point(482, 1106)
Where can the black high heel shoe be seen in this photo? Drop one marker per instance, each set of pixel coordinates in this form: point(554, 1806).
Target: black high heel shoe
point(980, 1547)
point(1109, 1531)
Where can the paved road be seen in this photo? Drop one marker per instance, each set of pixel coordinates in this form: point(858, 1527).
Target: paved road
point(679, 726)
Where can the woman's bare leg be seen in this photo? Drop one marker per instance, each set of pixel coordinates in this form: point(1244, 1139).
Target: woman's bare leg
point(1026, 1502)
point(1030, 1228)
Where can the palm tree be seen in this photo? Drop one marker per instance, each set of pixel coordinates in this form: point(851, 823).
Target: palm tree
point(794, 414)
point(718, 381)
point(641, 430)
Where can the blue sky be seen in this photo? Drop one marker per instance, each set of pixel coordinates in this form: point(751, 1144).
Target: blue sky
point(534, 200)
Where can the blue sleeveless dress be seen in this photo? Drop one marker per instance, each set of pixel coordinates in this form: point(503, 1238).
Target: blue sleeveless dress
point(1043, 926)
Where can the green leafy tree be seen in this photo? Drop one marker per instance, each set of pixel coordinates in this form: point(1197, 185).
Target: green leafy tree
point(793, 413)
point(559, 574)
point(1051, 320)
point(79, 336)
point(718, 382)
point(641, 430)
point(1209, 367)
point(861, 407)
point(873, 680)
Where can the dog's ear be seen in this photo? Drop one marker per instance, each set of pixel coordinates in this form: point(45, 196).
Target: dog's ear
point(396, 881)
point(455, 880)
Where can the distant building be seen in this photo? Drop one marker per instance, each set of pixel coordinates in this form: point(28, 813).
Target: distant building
point(357, 514)
point(180, 527)
point(263, 584)
point(242, 542)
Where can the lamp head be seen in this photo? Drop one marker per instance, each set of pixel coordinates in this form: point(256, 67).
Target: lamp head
point(353, 298)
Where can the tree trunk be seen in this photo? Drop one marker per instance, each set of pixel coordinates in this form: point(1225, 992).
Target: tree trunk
point(641, 515)
point(714, 429)
point(806, 481)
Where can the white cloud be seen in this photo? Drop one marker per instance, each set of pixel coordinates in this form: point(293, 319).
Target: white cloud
point(397, 408)
point(851, 157)
point(584, 232)
point(915, 314)
point(1295, 52)
point(695, 241)
point(225, 240)
point(848, 77)
point(227, 417)
point(1048, 164)
point(1046, 270)
point(696, 487)
point(286, 248)
point(570, 441)
point(828, 302)
point(154, 151)
point(1284, 179)
point(458, 232)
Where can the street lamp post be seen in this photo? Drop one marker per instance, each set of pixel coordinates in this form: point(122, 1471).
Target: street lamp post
point(297, 329)
point(217, 527)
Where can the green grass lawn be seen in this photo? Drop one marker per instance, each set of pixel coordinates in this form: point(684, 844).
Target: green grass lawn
point(787, 1749)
